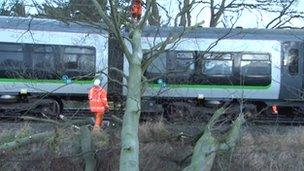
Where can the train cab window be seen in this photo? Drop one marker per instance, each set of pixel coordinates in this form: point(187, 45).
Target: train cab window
point(217, 64)
point(293, 60)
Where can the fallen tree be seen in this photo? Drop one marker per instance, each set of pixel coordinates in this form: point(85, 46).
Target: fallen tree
point(208, 145)
point(86, 147)
point(6, 147)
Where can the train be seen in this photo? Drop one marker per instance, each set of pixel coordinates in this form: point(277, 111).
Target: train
point(44, 61)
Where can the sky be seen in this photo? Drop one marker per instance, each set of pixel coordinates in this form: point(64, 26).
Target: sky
point(248, 19)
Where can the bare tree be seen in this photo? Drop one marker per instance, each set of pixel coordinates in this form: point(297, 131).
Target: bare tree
point(116, 16)
point(15, 8)
point(228, 11)
point(154, 18)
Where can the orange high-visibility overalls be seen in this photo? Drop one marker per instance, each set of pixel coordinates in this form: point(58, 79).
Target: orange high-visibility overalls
point(136, 9)
point(98, 103)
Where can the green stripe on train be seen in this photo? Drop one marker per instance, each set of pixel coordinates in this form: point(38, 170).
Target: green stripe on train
point(257, 87)
point(29, 81)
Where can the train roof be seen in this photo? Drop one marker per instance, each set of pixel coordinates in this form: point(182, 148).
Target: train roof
point(228, 33)
point(30, 23)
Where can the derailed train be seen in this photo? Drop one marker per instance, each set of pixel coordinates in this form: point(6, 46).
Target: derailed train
point(52, 60)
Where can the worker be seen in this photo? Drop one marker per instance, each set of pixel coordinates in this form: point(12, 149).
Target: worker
point(98, 103)
point(136, 9)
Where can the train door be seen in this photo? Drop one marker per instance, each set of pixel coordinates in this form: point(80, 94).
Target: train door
point(291, 75)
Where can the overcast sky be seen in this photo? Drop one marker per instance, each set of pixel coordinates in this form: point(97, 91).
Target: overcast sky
point(248, 19)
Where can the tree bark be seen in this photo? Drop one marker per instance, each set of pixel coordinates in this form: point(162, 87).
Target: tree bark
point(154, 18)
point(233, 134)
point(25, 141)
point(204, 153)
point(207, 146)
point(86, 148)
point(185, 19)
point(130, 145)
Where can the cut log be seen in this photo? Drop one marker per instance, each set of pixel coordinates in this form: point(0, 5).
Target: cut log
point(40, 137)
point(87, 150)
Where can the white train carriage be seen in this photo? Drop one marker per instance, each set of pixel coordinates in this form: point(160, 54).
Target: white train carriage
point(258, 66)
point(54, 59)
point(44, 61)
point(48, 56)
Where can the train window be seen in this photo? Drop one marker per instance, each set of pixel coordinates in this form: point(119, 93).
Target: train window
point(255, 69)
point(217, 56)
point(256, 57)
point(251, 68)
point(217, 64)
point(11, 47)
point(11, 59)
point(42, 57)
point(11, 56)
point(79, 50)
point(70, 61)
point(181, 62)
point(45, 61)
point(293, 60)
point(78, 61)
point(158, 65)
point(255, 64)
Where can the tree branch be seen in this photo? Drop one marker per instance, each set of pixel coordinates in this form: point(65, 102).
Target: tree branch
point(112, 27)
point(25, 141)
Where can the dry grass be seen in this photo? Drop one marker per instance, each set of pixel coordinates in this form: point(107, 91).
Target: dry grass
point(259, 148)
point(267, 148)
point(10, 135)
point(155, 147)
point(153, 132)
point(59, 152)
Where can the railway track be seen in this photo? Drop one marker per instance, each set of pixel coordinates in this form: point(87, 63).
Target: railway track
point(86, 114)
point(78, 116)
point(279, 119)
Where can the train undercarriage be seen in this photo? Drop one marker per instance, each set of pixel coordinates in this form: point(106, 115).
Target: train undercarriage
point(23, 104)
point(173, 110)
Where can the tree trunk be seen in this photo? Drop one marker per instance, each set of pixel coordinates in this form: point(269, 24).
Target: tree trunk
point(154, 18)
point(25, 141)
point(204, 153)
point(129, 157)
point(207, 146)
point(86, 148)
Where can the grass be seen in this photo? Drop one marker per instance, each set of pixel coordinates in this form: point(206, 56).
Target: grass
point(259, 148)
point(153, 131)
point(10, 135)
point(267, 148)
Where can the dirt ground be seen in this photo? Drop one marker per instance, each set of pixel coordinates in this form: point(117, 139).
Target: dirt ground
point(163, 147)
